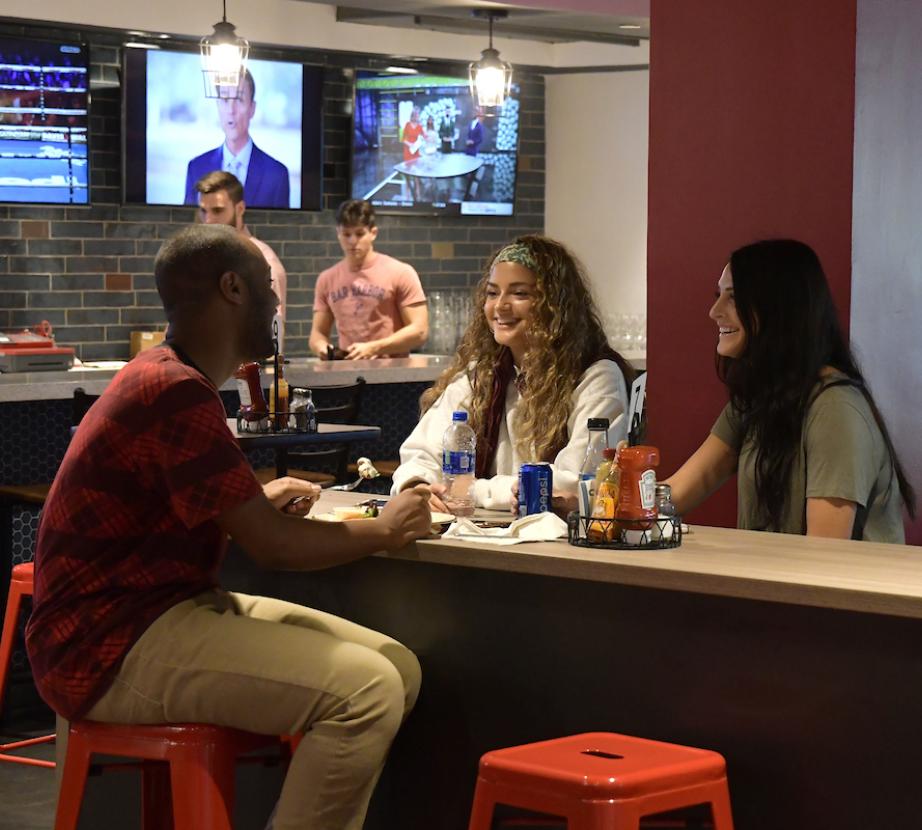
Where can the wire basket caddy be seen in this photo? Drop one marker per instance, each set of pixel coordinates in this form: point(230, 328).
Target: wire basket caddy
point(624, 534)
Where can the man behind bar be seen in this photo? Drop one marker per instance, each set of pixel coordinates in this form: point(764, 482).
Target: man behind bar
point(129, 623)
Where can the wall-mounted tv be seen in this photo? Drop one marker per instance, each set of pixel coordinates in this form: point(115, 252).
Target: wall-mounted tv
point(270, 136)
point(419, 144)
point(44, 103)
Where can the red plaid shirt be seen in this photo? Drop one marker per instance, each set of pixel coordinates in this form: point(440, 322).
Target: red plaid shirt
point(129, 527)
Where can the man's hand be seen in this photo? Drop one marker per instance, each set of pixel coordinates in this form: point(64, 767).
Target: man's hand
point(363, 351)
point(437, 499)
point(407, 516)
point(292, 495)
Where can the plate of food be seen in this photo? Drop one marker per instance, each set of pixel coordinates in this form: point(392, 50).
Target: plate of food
point(369, 510)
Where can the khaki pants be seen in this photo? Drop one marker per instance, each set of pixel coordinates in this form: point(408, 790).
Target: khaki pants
point(272, 667)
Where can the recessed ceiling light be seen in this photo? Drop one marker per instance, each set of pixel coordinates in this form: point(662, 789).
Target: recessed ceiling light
point(402, 70)
point(133, 45)
point(630, 26)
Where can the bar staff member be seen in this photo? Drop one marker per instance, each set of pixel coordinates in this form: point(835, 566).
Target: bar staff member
point(376, 301)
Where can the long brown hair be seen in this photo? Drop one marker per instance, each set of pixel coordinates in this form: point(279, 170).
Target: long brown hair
point(565, 336)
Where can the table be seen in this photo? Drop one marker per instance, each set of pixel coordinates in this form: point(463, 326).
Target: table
point(281, 442)
point(440, 165)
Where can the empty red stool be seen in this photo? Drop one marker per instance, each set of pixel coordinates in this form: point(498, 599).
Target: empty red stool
point(199, 781)
point(21, 585)
point(601, 781)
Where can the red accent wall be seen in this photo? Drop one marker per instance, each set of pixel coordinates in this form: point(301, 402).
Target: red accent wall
point(751, 137)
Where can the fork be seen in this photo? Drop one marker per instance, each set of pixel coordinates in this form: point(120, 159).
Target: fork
point(366, 473)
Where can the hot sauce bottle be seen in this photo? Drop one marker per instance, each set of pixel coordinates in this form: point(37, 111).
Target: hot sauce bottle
point(278, 409)
point(249, 386)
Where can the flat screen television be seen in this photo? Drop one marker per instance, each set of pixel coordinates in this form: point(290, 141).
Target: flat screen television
point(419, 146)
point(174, 135)
point(44, 103)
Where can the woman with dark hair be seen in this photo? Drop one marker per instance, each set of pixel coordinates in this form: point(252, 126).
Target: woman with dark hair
point(534, 365)
point(801, 429)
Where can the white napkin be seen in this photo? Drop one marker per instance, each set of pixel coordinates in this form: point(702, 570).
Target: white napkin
point(539, 527)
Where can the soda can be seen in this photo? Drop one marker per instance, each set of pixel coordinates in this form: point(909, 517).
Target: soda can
point(536, 484)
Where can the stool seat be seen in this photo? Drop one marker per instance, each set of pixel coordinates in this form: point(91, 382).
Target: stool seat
point(198, 784)
point(602, 765)
point(24, 574)
point(601, 781)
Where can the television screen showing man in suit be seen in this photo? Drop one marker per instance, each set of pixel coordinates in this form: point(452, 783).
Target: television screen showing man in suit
point(256, 136)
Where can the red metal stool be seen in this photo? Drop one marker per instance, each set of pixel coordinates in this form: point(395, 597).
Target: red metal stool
point(601, 781)
point(21, 585)
point(201, 762)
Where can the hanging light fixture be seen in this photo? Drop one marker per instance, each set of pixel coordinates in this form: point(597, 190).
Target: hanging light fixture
point(224, 59)
point(490, 77)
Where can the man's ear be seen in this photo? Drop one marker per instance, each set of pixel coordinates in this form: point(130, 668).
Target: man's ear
point(373, 232)
point(232, 287)
point(239, 210)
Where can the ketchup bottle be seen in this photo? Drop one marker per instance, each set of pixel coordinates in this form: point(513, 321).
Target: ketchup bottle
point(637, 493)
point(252, 401)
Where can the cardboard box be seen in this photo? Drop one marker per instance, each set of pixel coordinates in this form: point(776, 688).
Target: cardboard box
point(143, 340)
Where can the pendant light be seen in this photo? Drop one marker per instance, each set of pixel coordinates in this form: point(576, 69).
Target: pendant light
point(224, 59)
point(490, 77)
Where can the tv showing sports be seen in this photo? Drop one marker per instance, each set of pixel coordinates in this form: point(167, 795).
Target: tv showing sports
point(44, 103)
point(420, 144)
point(269, 136)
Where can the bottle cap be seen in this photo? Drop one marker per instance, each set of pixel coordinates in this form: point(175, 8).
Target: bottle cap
point(599, 423)
point(459, 416)
point(610, 453)
point(664, 490)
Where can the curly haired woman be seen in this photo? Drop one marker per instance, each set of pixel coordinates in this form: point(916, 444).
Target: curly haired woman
point(801, 428)
point(530, 371)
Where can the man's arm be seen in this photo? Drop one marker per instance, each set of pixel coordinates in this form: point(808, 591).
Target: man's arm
point(413, 333)
point(274, 539)
point(321, 327)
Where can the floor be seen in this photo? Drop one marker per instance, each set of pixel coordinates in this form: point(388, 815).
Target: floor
point(27, 793)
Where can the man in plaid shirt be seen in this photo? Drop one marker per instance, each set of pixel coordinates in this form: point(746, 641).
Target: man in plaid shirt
point(129, 623)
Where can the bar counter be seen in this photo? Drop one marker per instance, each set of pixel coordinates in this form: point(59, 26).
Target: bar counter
point(796, 658)
point(46, 386)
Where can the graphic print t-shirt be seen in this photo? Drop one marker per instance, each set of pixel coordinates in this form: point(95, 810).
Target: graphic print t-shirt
point(366, 303)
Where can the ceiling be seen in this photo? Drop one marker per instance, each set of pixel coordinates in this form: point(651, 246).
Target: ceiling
point(552, 21)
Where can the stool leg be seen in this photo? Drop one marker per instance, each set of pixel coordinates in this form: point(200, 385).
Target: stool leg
point(203, 791)
point(73, 783)
point(156, 801)
point(10, 621)
point(720, 806)
point(483, 807)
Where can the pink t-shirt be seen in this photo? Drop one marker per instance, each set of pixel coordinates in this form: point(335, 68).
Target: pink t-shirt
point(366, 304)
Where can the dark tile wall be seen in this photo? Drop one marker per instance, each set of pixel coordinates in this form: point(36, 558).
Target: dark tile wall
point(87, 270)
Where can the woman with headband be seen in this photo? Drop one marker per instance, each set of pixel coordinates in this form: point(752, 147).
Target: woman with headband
point(530, 371)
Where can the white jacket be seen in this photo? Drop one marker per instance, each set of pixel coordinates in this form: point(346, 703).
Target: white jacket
point(600, 393)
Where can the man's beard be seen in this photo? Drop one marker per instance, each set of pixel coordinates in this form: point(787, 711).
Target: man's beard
point(260, 342)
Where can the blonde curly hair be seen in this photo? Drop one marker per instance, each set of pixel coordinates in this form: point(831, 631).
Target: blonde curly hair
point(564, 336)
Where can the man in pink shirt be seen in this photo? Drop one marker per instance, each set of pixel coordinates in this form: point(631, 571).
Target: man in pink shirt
point(376, 301)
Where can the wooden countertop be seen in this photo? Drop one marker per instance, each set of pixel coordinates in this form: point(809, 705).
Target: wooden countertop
point(774, 567)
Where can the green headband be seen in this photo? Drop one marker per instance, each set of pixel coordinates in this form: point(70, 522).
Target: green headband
point(518, 253)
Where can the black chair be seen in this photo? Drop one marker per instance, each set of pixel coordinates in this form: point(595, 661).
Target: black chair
point(326, 467)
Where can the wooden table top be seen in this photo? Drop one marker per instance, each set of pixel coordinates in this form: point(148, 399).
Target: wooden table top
point(826, 573)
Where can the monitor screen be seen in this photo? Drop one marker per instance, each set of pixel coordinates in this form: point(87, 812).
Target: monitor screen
point(420, 145)
point(270, 137)
point(44, 102)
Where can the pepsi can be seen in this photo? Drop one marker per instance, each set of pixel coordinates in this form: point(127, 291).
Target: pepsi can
point(536, 482)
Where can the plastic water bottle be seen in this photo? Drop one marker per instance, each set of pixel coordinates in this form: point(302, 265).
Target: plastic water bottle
point(458, 456)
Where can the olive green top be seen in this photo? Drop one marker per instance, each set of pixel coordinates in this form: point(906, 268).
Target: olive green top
point(842, 456)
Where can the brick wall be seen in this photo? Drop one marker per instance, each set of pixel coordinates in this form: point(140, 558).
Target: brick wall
point(88, 269)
